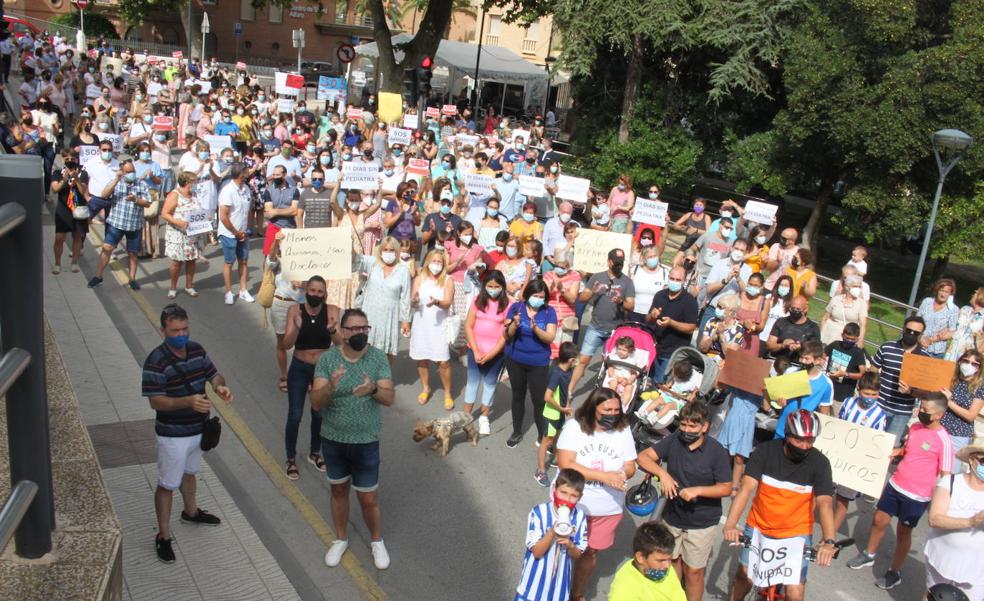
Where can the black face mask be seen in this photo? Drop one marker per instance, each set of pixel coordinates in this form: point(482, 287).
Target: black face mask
point(924, 418)
point(795, 314)
point(607, 422)
point(796, 454)
point(530, 161)
point(314, 301)
point(909, 339)
point(688, 438)
point(358, 342)
point(688, 265)
point(617, 266)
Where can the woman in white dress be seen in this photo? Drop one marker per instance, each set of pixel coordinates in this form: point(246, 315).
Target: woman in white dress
point(386, 297)
point(431, 299)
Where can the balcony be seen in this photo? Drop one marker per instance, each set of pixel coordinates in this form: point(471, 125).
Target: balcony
point(529, 46)
point(491, 40)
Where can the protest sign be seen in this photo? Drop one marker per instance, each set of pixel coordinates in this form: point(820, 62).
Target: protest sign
point(88, 152)
point(199, 222)
point(859, 456)
point(390, 107)
point(531, 186)
point(652, 212)
point(154, 88)
point(92, 91)
point(330, 88)
point(433, 111)
point(281, 85)
point(116, 64)
point(449, 109)
point(204, 85)
point(775, 560)
point(294, 81)
point(353, 113)
point(521, 133)
point(926, 373)
point(177, 54)
point(240, 66)
point(479, 185)
point(418, 167)
point(745, 372)
point(357, 175)
point(116, 139)
point(398, 135)
point(760, 212)
point(411, 121)
point(162, 123)
point(462, 140)
point(216, 144)
point(788, 386)
point(591, 249)
point(574, 189)
point(324, 251)
point(285, 105)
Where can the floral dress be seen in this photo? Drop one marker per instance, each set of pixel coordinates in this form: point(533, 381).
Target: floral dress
point(969, 332)
point(178, 245)
point(734, 334)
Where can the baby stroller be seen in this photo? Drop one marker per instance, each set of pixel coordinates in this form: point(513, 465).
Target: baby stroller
point(637, 366)
point(646, 434)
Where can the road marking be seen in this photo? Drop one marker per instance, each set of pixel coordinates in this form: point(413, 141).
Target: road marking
point(363, 580)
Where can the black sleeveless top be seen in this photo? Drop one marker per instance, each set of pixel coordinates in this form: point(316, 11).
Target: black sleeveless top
point(314, 330)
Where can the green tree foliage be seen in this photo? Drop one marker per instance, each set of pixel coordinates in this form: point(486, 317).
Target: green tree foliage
point(752, 163)
point(95, 24)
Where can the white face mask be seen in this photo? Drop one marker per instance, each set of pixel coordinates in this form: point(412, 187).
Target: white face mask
point(855, 292)
point(405, 256)
point(737, 255)
point(466, 238)
point(967, 370)
point(436, 268)
point(388, 257)
point(760, 240)
point(511, 252)
point(564, 217)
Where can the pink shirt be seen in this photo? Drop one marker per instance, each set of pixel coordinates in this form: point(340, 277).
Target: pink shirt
point(777, 252)
point(488, 326)
point(927, 453)
point(471, 255)
point(619, 200)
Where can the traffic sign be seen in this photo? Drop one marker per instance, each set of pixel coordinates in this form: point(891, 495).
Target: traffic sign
point(237, 29)
point(346, 53)
point(82, 4)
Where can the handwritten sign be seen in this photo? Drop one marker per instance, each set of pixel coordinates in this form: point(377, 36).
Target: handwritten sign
point(154, 88)
point(88, 152)
point(281, 85)
point(324, 251)
point(788, 386)
point(162, 123)
point(574, 189)
point(353, 113)
point(521, 133)
point(216, 144)
point(116, 139)
point(777, 560)
point(531, 186)
point(411, 121)
point(357, 175)
point(859, 456)
point(926, 373)
point(330, 88)
point(449, 109)
point(418, 167)
point(390, 107)
point(398, 135)
point(177, 54)
point(479, 185)
point(285, 105)
point(745, 372)
point(92, 91)
point(760, 212)
point(199, 222)
point(462, 140)
point(591, 249)
point(433, 112)
point(648, 211)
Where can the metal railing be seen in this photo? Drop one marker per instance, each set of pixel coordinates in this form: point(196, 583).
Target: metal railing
point(491, 40)
point(529, 46)
point(14, 508)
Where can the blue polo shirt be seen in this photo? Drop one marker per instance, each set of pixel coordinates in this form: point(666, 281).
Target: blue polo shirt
point(525, 347)
point(821, 395)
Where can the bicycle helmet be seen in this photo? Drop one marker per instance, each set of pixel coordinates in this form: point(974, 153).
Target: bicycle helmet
point(803, 424)
point(946, 592)
point(641, 499)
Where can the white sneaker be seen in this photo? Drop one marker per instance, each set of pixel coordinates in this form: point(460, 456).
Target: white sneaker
point(246, 296)
point(230, 298)
point(172, 293)
point(484, 427)
point(379, 555)
point(334, 555)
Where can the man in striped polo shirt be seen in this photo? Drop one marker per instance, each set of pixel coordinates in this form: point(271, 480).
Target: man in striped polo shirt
point(894, 395)
point(174, 377)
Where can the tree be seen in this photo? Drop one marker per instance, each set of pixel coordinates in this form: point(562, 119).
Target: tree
point(95, 23)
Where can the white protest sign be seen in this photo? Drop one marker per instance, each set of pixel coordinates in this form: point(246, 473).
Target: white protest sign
point(116, 139)
point(531, 186)
point(462, 140)
point(115, 63)
point(204, 85)
point(411, 121)
point(574, 189)
point(478, 184)
point(648, 211)
point(357, 175)
point(285, 105)
point(775, 560)
point(87, 152)
point(324, 251)
point(216, 144)
point(418, 167)
point(154, 88)
point(199, 222)
point(760, 212)
point(591, 249)
point(92, 91)
point(280, 84)
point(521, 133)
point(859, 456)
point(398, 135)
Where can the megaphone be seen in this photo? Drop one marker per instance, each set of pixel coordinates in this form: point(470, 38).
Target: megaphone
point(562, 526)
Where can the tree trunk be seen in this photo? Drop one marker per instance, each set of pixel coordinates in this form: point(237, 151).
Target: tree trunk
point(939, 267)
point(811, 233)
point(633, 78)
point(192, 29)
point(432, 26)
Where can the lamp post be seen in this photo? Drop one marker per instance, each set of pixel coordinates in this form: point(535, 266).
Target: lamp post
point(948, 145)
point(205, 29)
point(297, 37)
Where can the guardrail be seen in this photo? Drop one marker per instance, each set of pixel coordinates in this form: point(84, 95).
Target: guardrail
point(13, 510)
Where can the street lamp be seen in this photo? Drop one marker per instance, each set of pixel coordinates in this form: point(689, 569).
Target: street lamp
point(948, 146)
point(205, 29)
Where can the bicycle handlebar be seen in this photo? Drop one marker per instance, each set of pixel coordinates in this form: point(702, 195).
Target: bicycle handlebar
point(810, 552)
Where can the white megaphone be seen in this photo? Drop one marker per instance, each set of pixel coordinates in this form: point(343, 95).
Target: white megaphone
point(562, 526)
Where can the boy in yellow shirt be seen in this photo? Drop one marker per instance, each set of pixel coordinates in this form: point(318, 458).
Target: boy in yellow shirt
point(649, 575)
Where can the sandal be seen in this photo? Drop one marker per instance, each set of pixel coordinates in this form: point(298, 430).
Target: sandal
point(75, 267)
point(316, 460)
point(292, 472)
point(423, 397)
point(283, 384)
point(448, 402)
point(56, 269)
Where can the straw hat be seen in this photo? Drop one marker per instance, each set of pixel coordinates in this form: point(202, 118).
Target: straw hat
point(976, 446)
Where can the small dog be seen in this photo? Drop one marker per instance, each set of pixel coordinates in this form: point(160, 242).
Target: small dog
point(443, 428)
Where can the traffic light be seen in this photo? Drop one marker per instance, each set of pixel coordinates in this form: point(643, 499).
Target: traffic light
point(423, 77)
point(410, 91)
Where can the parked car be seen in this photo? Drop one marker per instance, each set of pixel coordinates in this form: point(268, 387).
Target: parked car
point(312, 70)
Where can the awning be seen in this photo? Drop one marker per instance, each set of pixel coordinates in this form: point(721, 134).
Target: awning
point(497, 63)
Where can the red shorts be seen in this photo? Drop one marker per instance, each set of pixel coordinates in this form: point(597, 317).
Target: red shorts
point(601, 531)
point(269, 237)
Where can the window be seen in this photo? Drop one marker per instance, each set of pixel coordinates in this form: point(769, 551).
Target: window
point(495, 25)
point(533, 32)
point(246, 10)
point(275, 13)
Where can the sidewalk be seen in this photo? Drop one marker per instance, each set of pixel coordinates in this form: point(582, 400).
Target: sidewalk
point(227, 562)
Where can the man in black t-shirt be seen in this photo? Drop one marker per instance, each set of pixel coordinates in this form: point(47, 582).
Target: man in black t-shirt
point(845, 361)
point(674, 313)
point(789, 333)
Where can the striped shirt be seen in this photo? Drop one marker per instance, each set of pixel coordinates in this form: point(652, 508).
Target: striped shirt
point(873, 417)
point(888, 360)
point(549, 577)
point(166, 374)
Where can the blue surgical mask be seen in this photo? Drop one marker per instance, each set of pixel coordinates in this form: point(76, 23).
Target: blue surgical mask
point(397, 152)
point(491, 212)
point(529, 217)
point(493, 292)
point(657, 575)
point(979, 471)
point(535, 302)
point(160, 137)
point(203, 155)
point(445, 209)
point(324, 160)
point(389, 172)
point(782, 290)
point(674, 286)
point(866, 402)
point(753, 290)
point(507, 177)
point(719, 312)
point(107, 156)
point(176, 341)
point(311, 148)
point(653, 196)
point(560, 271)
point(445, 164)
point(652, 262)
point(355, 204)
point(317, 184)
point(145, 156)
point(130, 177)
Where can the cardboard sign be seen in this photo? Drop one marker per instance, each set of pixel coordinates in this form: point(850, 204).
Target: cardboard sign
point(652, 212)
point(116, 139)
point(411, 121)
point(87, 153)
point(154, 88)
point(163, 123)
point(521, 133)
point(330, 88)
point(775, 560)
point(479, 185)
point(574, 189)
point(285, 105)
point(216, 144)
point(745, 372)
point(294, 81)
point(281, 87)
point(760, 212)
point(449, 109)
point(390, 107)
point(398, 135)
point(926, 373)
point(353, 113)
point(240, 66)
point(859, 456)
point(199, 222)
point(433, 111)
point(418, 167)
point(788, 386)
point(532, 186)
point(93, 91)
point(462, 140)
point(204, 86)
point(591, 249)
point(325, 251)
point(357, 175)
point(177, 54)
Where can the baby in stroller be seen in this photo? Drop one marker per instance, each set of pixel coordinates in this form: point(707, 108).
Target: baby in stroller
point(663, 406)
point(624, 364)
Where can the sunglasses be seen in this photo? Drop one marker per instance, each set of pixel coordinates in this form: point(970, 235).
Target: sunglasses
point(358, 329)
point(913, 332)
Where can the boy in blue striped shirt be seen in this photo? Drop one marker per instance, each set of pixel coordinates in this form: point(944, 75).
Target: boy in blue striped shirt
point(550, 551)
point(862, 409)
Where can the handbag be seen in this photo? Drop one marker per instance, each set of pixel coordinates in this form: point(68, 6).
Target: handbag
point(154, 209)
point(211, 426)
point(268, 288)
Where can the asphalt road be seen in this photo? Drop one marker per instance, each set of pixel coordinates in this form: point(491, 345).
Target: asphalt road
point(454, 526)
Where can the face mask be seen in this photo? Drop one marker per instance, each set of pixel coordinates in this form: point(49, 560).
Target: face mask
point(493, 292)
point(519, 147)
point(553, 169)
point(847, 344)
point(855, 292)
point(107, 156)
point(240, 112)
point(909, 339)
point(436, 268)
point(311, 148)
point(530, 160)
point(87, 115)
point(796, 454)
point(286, 153)
point(267, 134)
point(795, 263)
point(753, 290)
point(160, 137)
point(324, 160)
point(511, 252)
point(967, 370)
point(621, 187)
point(564, 217)
point(314, 301)
point(725, 214)
point(924, 418)
point(445, 209)
point(405, 256)
point(389, 172)
point(725, 232)
point(866, 402)
point(979, 471)
point(466, 238)
point(535, 302)
point(145, 156)
point(617, 266)
point(446, 165)
point(737, 256)
point(656, 575)
point(607, 422)
point(674, 286)
point(317, 184)
point(688, 438)
point(261, 97)
point(795, 314)
point(507, 177)
point(130, 177)
point(177, 341)
point(492, 212)
point(203, 155)
point(388, 257)
point(644, 242)
point(698, 210)
point(528, 217)
point(346, 157)
point(358, 342)
point(560, 271)
point(103, 126)
point(760, 240)
point(355, 204)
point(782, 290)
